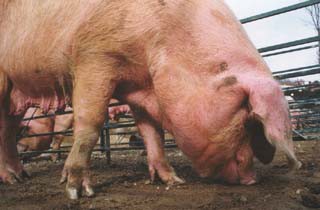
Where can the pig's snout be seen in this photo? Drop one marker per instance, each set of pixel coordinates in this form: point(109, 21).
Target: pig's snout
point(232, 174)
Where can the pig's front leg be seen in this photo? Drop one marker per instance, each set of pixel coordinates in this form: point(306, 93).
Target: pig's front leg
point(157, 162)
point(93, 87)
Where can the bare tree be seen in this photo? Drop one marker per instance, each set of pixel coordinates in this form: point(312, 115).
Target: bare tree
point(314, 12)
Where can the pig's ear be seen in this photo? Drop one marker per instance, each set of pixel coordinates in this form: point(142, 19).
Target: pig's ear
point(269, 126)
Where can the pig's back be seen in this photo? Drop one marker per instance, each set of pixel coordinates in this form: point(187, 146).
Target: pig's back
point(36, 36)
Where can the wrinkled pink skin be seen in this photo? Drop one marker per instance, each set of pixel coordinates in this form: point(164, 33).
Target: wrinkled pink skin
point(53, 124)
point(189, 69)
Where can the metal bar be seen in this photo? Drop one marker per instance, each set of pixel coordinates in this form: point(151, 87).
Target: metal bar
point(306, 100)
point(299, 134)
point(304, 110)
point(295, 106)
point(300, 87)
point(315, 113)
point(290, 51)
point(47, 115)
point(102, 139)
point(127, 143)
point(290, 44)
point(116, 125)
point(307, 138)
point(107, 140)
point(310, 105)
point(298, 74)
point(311, 129)
point(139, 147)
point(46, 134)
point(296, 69)
point(116, 144)
point(94, 150)
point(310, 121)
point(116, 104)
point(280, 11)
point(67, 112)
point(306, 115)
point(124, 133)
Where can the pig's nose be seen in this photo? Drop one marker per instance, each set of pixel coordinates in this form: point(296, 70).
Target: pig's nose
point(249, 181)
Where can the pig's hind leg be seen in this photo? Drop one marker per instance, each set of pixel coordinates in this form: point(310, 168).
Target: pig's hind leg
point(61, 123)
point(11, 169)
point(56, 143)
point(151, 134)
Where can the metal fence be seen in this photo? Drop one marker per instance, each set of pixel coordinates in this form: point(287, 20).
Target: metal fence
point(304, 101)
point(304, 106)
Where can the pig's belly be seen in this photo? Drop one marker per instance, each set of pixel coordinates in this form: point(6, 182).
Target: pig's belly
point(44, 90)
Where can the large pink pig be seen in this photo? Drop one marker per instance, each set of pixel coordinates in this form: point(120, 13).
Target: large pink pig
point(183, 65)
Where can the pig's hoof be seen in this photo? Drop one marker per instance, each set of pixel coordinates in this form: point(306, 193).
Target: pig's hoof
point(295, 166)
point(171, 178)
point(166, 174)
point(77, 185)
point(75, 193)
point(22, 176)
point(12, 177)
point(175, 180)
point(55, 158)
point(248, 181)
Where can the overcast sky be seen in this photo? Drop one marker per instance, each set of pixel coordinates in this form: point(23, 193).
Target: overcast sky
point(278, 29)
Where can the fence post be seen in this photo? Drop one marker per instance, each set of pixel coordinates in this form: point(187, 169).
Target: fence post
point(106, 128)
point(102, 139)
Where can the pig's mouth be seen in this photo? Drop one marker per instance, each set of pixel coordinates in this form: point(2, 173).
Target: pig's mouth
point(236, 167)
point(232, 173)
point(239, 170)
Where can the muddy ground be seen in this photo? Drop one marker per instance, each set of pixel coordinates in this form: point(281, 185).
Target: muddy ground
point(122, 185)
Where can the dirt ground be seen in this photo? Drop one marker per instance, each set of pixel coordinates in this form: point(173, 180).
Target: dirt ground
point(123, 185)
